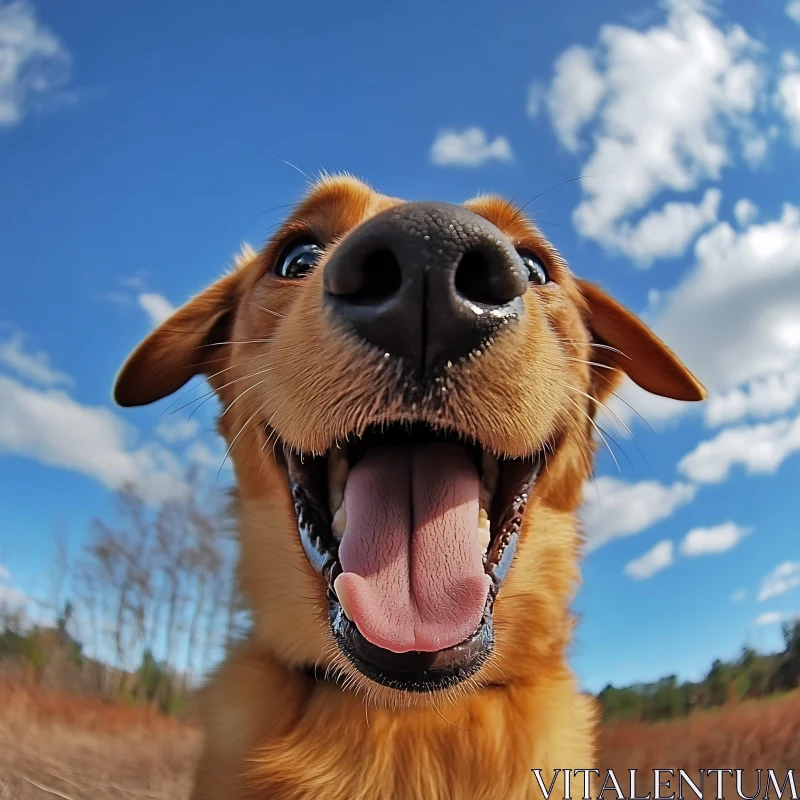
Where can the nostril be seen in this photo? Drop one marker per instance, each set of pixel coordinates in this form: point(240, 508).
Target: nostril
point(485, 278)
point(380, 277)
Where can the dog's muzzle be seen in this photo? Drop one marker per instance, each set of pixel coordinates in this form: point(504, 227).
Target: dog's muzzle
point(425, 282)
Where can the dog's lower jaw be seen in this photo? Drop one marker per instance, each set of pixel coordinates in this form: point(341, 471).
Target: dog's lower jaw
point(274, 733)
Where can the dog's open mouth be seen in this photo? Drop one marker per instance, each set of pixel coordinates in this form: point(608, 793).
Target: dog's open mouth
point(414, 531)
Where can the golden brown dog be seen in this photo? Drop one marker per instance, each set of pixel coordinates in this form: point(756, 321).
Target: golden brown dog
point(409, 393)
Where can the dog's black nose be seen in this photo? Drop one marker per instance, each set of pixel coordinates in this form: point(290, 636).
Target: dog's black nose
point(428, 282)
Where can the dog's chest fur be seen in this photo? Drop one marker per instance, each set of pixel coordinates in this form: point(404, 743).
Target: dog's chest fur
point(276, 736)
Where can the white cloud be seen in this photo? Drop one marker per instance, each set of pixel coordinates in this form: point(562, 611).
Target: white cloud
point(759, 448)
point(469, 148)
point(793, 10)
point(739, 595)
point(13, 599)
point(735, 316)
point(668, 231)
point(788, 94)
point(5, 575)
point(34, 366)
point(766, 397)
point(613, 508)
point(781, 580)
point(33, 63)
point(745, 211)
point(201, 455)
point(754, 148)
point(157, 306)
point(53, 428)
point(659, 557)
point(709, 541)
point(574, 95)
point(178, 430)
point(536, 96)
point(768, 618)
point(663, 102)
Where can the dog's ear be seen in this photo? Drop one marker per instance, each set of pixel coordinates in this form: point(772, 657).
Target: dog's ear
point(187, 344)
point(625, 344)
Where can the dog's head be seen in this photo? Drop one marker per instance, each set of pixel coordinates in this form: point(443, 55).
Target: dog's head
point(408, 392)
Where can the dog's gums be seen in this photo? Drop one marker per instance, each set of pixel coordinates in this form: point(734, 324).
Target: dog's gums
point(408, 395)
point(375, 616)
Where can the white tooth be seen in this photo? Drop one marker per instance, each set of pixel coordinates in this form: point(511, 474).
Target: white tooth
point(338, 469)
point(340, 587)
point(484, 536)
point(339, 522)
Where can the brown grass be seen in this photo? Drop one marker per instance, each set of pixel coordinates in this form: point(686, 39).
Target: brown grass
point(756, 734)
point(54, 745)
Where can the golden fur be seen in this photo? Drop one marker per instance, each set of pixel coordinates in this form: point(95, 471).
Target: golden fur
point(282, 370)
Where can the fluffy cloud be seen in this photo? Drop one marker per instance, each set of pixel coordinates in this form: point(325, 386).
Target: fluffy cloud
point(157, 306)
point(574, 95)
point(659, 557)
point(53, 428)
point(33, 63)
point(745, 211)
point(788, 94)
point(793, 10)
point(768, 618)
point(13, 599)
point(470, 148)
point(178, 430)
point(759, 448)
point(766, 397)
point(663, 102)
point(668, 231)
point(33, 366)
point(716, 317)
point(613, 508)
point(781, 580)
point(709, 541)
point(734, 319)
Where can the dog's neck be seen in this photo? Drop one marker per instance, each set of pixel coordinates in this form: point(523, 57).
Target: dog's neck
point(307, 731)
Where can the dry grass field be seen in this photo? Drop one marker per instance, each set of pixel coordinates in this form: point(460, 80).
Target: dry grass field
point(755, 734)
point(55, 745)
point(60, 746)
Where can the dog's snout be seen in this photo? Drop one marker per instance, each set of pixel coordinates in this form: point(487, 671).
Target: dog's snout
point(428, 282)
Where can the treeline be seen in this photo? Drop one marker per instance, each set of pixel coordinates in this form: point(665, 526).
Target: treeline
point(143, 609)
point(750, 676)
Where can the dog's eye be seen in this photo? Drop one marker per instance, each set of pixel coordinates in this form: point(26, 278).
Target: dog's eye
point(536, 271)
point(298, 259)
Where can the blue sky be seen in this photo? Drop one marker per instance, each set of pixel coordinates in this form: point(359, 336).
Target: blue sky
point(140, 145)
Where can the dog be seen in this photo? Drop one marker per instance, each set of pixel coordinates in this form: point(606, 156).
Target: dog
point(408, 392)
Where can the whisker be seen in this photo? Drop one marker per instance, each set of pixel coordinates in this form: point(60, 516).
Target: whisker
point(592, 363)
point(623, 400)
point(556, 186)
point(597, 428)
point(207, 395)
point(604, 407)
point(265, 310)
point(323, 172)
point(609, 347)
point(289, 164)
point(230, 446)
point(243, 393)
point(209, 377)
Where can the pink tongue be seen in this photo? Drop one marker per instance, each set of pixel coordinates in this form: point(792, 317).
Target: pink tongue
point(413, 568)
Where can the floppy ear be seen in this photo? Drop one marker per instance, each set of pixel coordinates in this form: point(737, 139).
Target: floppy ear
point(626, 344)
point(187, 344)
